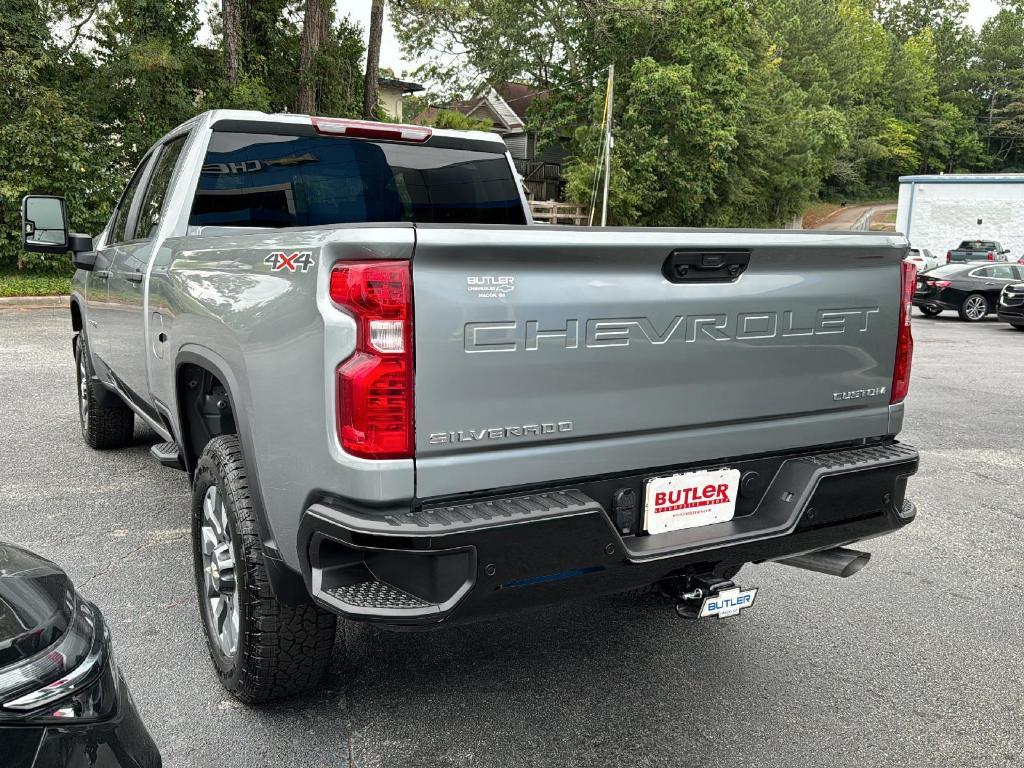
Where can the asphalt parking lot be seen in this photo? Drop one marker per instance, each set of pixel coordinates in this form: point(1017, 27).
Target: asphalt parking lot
point(918, 660)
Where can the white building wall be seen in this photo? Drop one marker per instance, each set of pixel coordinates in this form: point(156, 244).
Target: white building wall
point(391, 101)
point(937, 215)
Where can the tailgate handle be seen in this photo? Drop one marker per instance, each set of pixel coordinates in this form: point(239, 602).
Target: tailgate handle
point(686, 265)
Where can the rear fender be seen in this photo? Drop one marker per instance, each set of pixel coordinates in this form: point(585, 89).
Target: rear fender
point(286, 584)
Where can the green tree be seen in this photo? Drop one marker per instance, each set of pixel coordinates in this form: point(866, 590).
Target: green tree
point(447, 118)
point(48, 143)
point(999, 73)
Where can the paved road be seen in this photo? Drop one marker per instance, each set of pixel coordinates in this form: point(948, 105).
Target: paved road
point(916, 661)
point(855, 217)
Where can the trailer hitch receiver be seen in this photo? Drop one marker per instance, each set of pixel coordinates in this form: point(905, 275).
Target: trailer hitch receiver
point(704, 596)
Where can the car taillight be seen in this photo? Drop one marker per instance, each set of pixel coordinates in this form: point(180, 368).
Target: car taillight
point(904, 340)
point(991, 256)
point(940, 283)
point(375, 384)
point(366, 129)
point(949, 256)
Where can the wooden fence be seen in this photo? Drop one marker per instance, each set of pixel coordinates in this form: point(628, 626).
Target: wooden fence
point(551, 212)
point(543, 180)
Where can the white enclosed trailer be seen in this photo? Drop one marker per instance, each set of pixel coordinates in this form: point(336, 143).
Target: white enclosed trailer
point(937, 212)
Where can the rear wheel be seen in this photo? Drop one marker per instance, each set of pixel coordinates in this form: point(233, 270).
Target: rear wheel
point(931, 311)
point(974, 308)
point(103, 426)
point(261, 649)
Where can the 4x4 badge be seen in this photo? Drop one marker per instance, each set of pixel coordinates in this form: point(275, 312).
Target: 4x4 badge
point(299, 261)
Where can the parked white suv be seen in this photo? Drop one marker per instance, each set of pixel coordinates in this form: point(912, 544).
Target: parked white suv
point(922, 258)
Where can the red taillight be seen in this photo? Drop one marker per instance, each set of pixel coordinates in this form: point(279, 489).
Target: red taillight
point(904, 341)
point(375, 385)
point(940, 283)
point(991, 256)
point(366, 129)
point(949, 256)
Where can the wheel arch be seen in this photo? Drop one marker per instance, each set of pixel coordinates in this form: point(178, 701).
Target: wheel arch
point(193, 361)
point(76, 315)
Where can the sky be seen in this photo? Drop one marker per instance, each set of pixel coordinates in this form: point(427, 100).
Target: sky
point(391, 54)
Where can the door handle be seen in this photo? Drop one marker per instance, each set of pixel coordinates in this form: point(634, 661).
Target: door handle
point(698, 265)
point(102, 274)
point(133, 277)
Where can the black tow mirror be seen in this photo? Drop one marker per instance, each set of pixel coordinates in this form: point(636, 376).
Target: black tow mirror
point(44, 224)
point(82, 254)
point(44, 229)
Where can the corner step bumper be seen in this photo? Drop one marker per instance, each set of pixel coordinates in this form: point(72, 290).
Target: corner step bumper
point(485, 556)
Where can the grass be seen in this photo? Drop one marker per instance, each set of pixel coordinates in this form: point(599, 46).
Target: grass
point(885, 222)
point(17, 282)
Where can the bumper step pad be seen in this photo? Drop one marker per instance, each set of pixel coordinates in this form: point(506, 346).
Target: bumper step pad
point(448, 519)
point(374, 594)
point(498, 511)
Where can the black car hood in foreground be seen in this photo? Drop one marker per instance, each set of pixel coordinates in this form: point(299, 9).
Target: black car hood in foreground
point(63, 702)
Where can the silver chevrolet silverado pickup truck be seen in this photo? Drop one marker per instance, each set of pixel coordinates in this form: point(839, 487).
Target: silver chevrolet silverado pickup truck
point(399, 400)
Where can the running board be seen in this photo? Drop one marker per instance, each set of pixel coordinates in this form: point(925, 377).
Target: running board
point(168, 455)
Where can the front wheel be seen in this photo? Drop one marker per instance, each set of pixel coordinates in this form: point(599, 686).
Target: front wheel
point(931, 311)
point(974, 308)
point(261, 649)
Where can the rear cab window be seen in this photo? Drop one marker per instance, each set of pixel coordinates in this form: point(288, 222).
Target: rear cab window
point(283, 180)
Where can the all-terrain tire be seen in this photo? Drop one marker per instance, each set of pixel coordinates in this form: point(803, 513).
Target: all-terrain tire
point(103, 426)
point(281, 650)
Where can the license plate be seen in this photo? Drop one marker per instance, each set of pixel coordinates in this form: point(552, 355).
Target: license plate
point(690, 499)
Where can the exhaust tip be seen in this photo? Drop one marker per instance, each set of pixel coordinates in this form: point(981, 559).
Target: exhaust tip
point(839, 561)
point(855, 564)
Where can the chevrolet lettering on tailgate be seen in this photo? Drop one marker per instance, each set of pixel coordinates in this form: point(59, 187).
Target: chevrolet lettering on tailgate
point(512, 335)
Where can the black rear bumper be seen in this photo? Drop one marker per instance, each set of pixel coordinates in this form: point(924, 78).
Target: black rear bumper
point(465, 560)
point(934, 301)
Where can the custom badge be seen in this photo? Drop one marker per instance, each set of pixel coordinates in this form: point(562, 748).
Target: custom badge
point(299, 261)
point(490, 286)
point(728, 602)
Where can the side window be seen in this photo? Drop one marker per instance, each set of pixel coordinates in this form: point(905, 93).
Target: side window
point(156, 191)
point(982, 272)
point(1003, 273)
point(123, 207)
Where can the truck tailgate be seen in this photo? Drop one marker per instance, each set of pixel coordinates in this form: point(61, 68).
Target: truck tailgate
point(551, 353)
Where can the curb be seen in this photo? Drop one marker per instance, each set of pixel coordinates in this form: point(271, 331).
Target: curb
point(34, 302)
